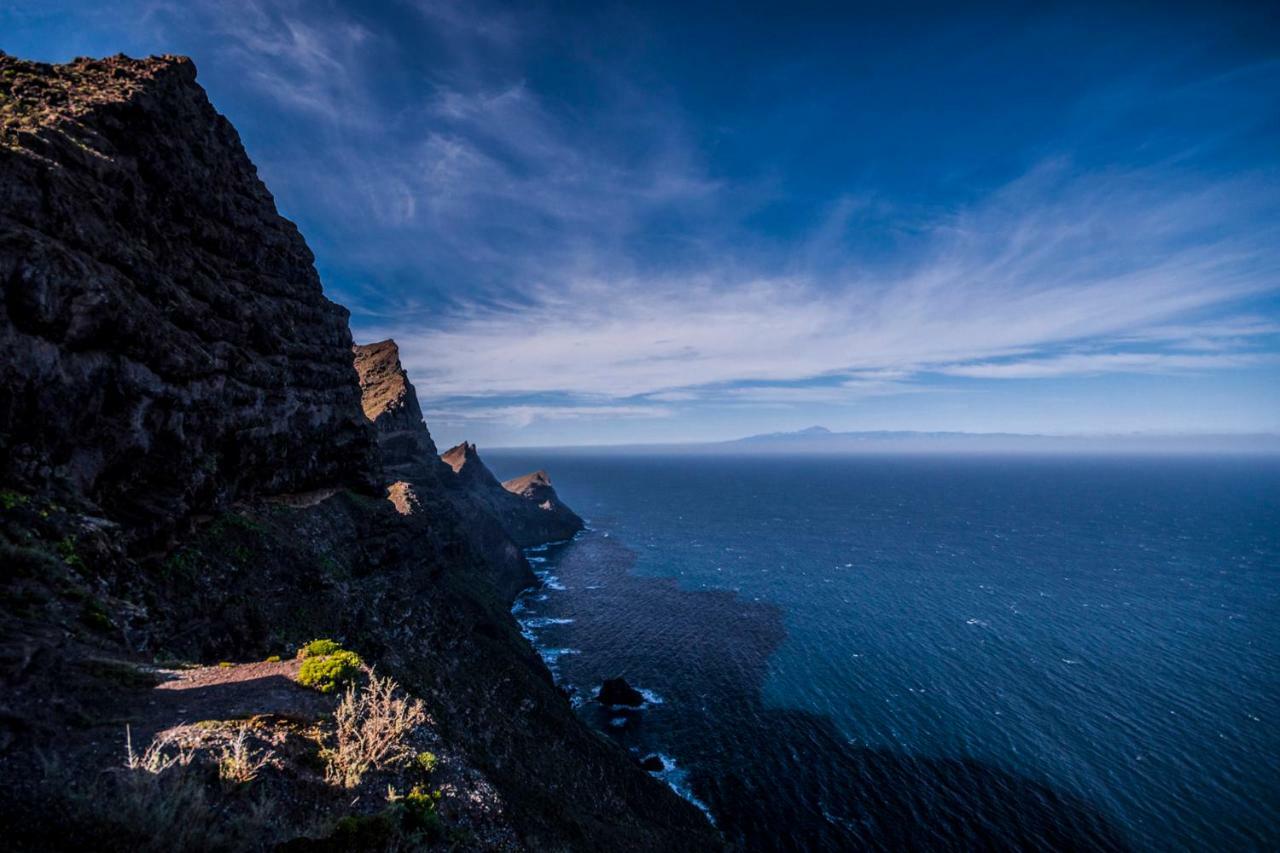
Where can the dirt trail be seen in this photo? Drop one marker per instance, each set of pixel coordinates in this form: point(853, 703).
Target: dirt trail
point(227, 693)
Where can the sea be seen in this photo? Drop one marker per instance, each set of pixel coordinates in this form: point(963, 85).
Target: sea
point(926, 652)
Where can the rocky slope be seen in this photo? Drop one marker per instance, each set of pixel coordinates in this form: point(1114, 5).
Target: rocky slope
point(527, 507)
point(188, 477)
point(165, 347)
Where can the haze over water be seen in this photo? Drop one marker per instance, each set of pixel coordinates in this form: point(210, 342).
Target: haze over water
point(933, 651)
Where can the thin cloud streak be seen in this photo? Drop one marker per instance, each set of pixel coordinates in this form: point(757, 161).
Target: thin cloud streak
point(1052, 261)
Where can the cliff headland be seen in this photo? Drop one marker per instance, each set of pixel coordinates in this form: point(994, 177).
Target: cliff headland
point(200, 474)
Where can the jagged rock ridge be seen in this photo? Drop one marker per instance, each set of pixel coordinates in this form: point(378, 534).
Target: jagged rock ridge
point(418, 483)
point(527, 506)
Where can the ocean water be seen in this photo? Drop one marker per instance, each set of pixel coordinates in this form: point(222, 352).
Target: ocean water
point(932, 653)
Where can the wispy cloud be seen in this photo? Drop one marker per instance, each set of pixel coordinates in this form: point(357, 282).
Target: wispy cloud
point(1092, 364)
point(1058, 259)
point(570, 241)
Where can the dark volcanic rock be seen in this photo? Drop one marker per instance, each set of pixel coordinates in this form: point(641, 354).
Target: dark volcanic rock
point(165, 351)
point(558, 520)
point(527, 507)
point(616, 691)
point(390, 402)
point(165, 347)
point(420, 484)
point(652, 764)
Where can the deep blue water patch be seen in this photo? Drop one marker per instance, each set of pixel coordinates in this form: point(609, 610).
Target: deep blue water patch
point(926, 652)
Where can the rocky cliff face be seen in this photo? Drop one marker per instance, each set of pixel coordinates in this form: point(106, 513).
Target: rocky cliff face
point(527, 507)
point(418, 482)
point(171, 375)
point(165, 347)
point(391, 404)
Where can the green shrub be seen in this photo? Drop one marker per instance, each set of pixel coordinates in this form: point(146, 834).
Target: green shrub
point(318, 648)
point(225, 664)
point(420, 813)
point(330, 672)
point(274, 659)
point(426, 761)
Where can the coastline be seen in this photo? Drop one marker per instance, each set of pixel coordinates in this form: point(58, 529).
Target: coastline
point(542, 559)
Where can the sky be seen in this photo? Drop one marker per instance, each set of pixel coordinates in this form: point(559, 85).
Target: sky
point(606, 223)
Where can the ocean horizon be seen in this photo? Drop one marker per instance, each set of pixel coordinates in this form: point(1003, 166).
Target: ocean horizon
point(894, 651)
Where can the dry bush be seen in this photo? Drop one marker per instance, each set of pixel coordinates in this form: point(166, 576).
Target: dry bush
point(372, 729)
point(161, 799)
point(239, 764)
point(156, 759)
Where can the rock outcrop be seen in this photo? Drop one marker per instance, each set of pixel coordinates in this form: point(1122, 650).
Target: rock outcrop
point(389, 401)
point(527, 507)
point(165, 347)
point(616, 691)
point(187, 475)
point(419, 484)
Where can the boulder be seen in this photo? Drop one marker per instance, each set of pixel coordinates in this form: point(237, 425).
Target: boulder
point(616, 691)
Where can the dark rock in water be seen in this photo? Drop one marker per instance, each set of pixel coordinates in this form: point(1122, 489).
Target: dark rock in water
point(616, 691)
point(652, 763)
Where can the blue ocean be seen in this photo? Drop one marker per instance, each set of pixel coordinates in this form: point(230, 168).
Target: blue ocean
point(927, 652)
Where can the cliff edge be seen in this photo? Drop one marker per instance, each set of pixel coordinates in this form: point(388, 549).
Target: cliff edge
point(527, 507)
point(165, 346)
point(191, 494)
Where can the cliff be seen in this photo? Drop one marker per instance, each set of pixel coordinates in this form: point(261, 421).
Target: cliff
point(418, 483)
point(527, 507)
point(190, 491)
point(165, 347)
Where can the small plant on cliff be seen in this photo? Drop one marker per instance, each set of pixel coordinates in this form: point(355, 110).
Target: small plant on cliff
point(239, 764)
point(329, 672)
point(427, 762)
point(318, 648)
point(372, 729)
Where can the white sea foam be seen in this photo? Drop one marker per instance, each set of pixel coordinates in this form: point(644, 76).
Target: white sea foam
point(552, 582)
point(677, 779)
point(650, 697)
point(547, 621)
point(552, 655)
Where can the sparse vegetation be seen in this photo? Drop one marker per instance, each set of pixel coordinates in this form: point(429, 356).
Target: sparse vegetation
point(160, 800)
point(273, 659)
point(94, 615)
point(427, 762)
point(372, 730)
point(239, 763)
point(225, 664)
point(330, 672)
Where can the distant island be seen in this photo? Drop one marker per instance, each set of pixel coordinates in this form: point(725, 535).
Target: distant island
point(821, 440)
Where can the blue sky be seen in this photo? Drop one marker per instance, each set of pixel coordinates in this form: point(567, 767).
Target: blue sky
point(599, 223)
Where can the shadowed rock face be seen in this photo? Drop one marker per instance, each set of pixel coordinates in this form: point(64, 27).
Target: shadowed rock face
point(420, 485)
point(165, 347)
point(527, 507)
point(390, 402)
